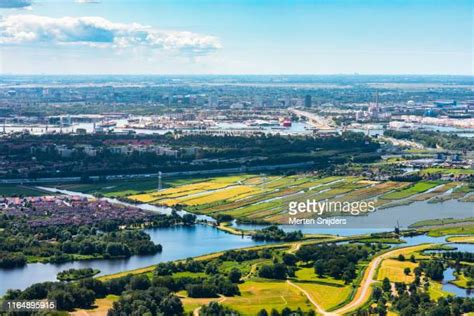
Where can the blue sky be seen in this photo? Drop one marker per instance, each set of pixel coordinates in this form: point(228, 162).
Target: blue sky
point(236, 37)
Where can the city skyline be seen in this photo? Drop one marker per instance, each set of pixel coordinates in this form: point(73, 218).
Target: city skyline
point(244, 37)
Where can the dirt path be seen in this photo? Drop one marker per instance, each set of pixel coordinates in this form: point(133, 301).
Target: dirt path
point(294, 248)
point(253, 268)
point(364, 290)
point(319, 309)
point(196, 310)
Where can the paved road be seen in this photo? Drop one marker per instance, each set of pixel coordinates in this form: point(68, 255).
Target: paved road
point(364, 290)
point(243, 169)
point(317, 121)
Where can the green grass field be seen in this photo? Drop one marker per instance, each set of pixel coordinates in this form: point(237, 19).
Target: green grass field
point(439, 222)
point(325, 295)
point(393, 270)
point(436, 291)
point(257, 295)
point(266, 198)
point(244, 266)
point(259, 197)
point(461, 281)
point(417, 188)
point(447, 171)
point(454, 230)
point(461, 239)
point(18, 190)
point(307, 274)
point(121, 188)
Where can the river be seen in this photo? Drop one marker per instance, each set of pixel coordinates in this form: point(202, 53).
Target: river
point(451, 288)
point(178, 243)
point(384, 219)
point(183, 242)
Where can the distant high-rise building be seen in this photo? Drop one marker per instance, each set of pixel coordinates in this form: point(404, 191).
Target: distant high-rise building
point(258, 102)
point(307, 101)
point(213, 101)
point(288, 101)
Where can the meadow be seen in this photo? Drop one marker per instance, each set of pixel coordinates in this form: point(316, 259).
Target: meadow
point(417, 188)
point(266, 198)
point(447, 171)
point(394, 270)
point(19, 190)
point(299, 290)
point(262, 198)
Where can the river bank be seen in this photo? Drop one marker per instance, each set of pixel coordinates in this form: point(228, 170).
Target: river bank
point(183, 242)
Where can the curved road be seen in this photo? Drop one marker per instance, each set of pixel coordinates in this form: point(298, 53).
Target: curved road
point(364, 290)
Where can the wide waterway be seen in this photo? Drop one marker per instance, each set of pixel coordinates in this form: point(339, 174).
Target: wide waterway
point(184, 242)
point(384, 219)
point(178, 243)
point(449, 275)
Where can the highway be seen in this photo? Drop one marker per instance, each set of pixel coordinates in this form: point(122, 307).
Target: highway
point(317, 121)
point(242, 169)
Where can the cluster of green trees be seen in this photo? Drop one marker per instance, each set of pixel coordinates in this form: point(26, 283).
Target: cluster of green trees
point(216, 309)
point(106, 239)
point(139, 295)
point(273, 233)
point(168, 268)
point(433, 139)
point(433, 269)
point(221, 152)
point(458, 256)
point(413, 299)
point(67, 295)
point(337, 261)
point(286, 312)
point(76, 274)
point(82, 240)
point(212, 287)
point(12, 260)
point(278, 271)
point(469, 272)
point(122, 243)
point(146, 299)
point(246, 255)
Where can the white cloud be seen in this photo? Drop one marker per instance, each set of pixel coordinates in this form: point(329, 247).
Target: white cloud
point(86, 1)
point(13, 4)
point(99, 32)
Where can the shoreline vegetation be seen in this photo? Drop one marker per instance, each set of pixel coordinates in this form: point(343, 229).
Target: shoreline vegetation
point(356, 298)
point(264, 199)
point(77, 274)
point(253, 195)
point(350, 299)
point(287, 267)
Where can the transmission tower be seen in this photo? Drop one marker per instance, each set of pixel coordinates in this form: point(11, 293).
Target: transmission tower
point(159, 180)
